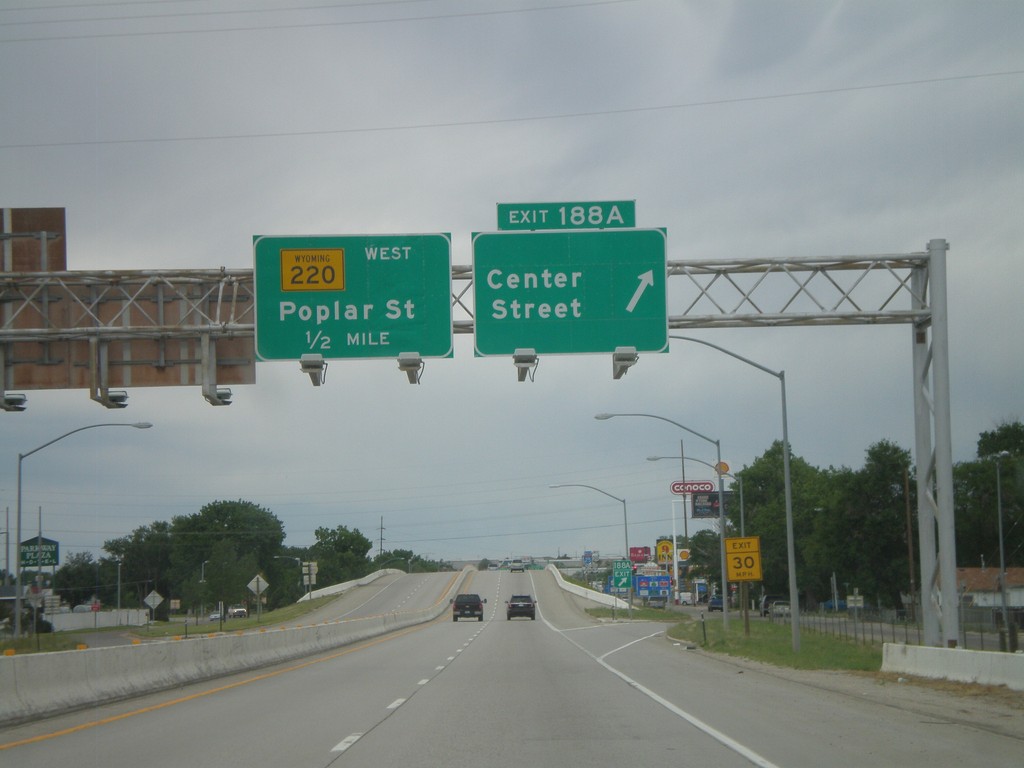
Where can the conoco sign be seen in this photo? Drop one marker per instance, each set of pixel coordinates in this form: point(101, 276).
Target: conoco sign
point(680, 488)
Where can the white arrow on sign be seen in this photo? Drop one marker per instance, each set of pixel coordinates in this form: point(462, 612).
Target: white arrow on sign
point(646, 281)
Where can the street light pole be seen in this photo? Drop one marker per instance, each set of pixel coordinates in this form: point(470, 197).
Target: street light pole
point(684, 459)
point(1002, 561)
point(794, 592)
point(721, 499)
point(625, 528)
point(17, 547)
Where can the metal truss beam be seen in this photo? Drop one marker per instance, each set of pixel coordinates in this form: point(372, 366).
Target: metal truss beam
point(202, 307)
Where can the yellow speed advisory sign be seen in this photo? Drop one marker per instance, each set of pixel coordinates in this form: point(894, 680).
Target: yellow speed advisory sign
point(312, 269)
point(743, 558)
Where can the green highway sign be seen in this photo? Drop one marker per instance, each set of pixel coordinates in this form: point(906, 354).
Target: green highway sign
point(570, 292)
point(352, 296)
point(622, 573)
point(609, 214)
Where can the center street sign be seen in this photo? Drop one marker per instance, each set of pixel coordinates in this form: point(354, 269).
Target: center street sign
point(564, 292)
point(353, 296)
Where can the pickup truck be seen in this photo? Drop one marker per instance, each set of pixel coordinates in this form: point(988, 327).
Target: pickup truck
point(468, 606)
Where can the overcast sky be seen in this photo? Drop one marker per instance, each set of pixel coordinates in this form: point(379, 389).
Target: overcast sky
point(173, 132)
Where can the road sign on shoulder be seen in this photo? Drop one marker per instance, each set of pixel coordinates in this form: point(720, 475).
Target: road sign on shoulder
point(565, 292)
point(622, 573)
point(743, 558)
point(352, 296)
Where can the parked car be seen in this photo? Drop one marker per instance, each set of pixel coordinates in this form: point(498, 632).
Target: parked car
point(215, 616)
point(839, 605)
point(521, 605)
point(715, 604)
point(468, 606)
point(767, 601)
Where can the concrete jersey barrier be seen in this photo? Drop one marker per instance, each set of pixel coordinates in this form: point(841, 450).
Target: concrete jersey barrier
point(957, 664)
point(589, 594)
point(44, 684)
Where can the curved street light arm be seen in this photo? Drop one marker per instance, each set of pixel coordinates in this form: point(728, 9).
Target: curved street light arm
point(136, 425)
point(606, 416)
point(625, 526)
point(17, 546)
point(591, 487)
point(748, 361)
point(794, 592)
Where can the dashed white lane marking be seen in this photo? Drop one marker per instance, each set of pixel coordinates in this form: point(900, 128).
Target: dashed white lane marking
point(347, 742)
point(424, 681)
point(396, 704)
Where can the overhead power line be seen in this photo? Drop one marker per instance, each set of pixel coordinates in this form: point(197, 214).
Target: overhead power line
point(505, 120)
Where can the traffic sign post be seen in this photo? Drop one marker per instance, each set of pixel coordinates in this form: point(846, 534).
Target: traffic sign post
point(622, 573)
point(258, 586)
point(349, 296)
point(564, 292)
point(743, 558)
point(593, 215)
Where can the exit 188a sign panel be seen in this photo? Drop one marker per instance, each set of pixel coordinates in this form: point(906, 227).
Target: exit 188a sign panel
point(565, 292)
point(352, 296)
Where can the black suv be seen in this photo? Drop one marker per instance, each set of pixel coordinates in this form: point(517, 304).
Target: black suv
point(521, 605)
point(468, 606)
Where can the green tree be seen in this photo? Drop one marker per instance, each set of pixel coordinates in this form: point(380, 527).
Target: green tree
point(145, 565)
point(254, 536)
point(1008, 436)
point(227, 574)
point(76, 580)
point(765, 508)
point(976, 500)
point(873, 519)
point(341, 554)
point(705, 557)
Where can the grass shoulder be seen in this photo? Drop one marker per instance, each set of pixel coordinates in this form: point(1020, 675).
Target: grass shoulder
point(50, 642)
point(770, 643)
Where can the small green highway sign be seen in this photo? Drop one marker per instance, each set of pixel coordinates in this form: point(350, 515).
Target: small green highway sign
point(352, 296)
point(608, 214)
point(622, 573)
point(564, 292)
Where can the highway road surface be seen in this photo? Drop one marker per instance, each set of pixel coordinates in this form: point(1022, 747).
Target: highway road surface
point(561, 690)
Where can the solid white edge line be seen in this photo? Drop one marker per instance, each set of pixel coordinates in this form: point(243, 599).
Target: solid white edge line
point(347, 742)
point(697, 723)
